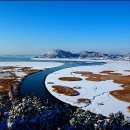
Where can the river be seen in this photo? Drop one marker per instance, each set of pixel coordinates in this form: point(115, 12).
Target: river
point(34, 84)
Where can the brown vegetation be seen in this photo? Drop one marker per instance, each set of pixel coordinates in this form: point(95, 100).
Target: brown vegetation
point(128, 108)
point(106, 71)
point(7, 84)
point(83, 73)
point(7, 67)
point(28, 70)
point(116, 77)
point(110, 72)
point(70, 79)
point(123, 95)
point(65, 90)
point(83, 100)
point(127, 70)
point(91, 76)
point(96, 79)
point(123, 80)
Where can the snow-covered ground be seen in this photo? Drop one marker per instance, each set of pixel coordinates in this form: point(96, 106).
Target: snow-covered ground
point(34, 65)
point(97, 92)
point(68, 59)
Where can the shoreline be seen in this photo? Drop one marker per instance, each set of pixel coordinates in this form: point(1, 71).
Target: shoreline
point(39, 88)
point(70, 99)
point(19, 71)
point(75, 59)
point(67, 59)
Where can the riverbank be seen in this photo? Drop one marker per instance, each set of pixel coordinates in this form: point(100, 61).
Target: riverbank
point(94, 93)
point(13, 73)
point(69, 59)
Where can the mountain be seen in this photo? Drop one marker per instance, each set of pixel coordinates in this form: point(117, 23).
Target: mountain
point(58, 53)
point(92, 54)
point(127, 57)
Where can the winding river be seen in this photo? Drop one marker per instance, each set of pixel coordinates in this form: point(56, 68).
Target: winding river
point(34, 84)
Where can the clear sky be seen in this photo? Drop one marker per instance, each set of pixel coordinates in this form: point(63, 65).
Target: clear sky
point(36, 27)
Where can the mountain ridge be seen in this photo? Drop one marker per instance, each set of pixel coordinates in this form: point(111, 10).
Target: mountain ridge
point(58, 54)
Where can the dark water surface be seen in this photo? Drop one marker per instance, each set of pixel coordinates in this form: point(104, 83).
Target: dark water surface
point(34, 84)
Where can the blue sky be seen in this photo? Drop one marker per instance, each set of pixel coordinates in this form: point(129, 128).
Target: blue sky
point(36, 27)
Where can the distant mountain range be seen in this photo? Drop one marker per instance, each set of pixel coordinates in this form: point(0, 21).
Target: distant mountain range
point(56, 54)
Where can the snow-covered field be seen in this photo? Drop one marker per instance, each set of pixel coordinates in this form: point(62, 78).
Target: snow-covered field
point(20, 74)
point(35, 65)
point(98, 92)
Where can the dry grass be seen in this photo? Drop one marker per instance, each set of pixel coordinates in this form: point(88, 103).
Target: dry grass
point(31, 71)
point(7, 84)
point(90, 76)
point(70, 79)
point(128, 108)
point(28, 70)
point(116, 77)
point(127, 70)
point(106, 71)
point(96, 79)
point(83, 73)
point(123, 80)
point(65, 90)
point(11, 80)
point(7, 67)
point(83, 100)
point(109, 72)
point(115, 74)
point(123, 95)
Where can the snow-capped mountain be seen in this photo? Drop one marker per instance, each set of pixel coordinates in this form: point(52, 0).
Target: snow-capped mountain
point(92, 54)
point(127, 57)
point(58, 53)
